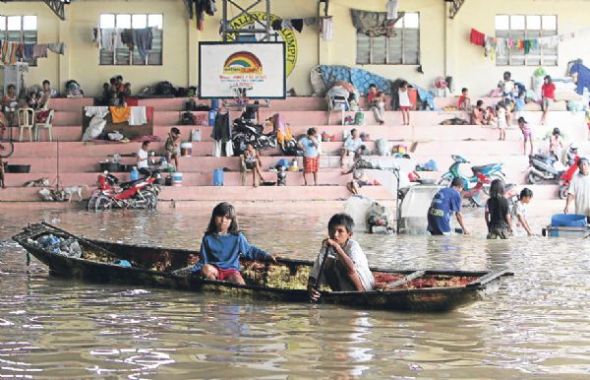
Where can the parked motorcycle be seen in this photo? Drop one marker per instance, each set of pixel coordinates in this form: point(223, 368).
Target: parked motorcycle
point(245, 132)
point(141, 193)
point(491, 171)
point(566, 177)
point(478, 194)
point(542, 168)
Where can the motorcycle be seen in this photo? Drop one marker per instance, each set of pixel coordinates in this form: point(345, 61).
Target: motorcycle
point(491, 171)
point(566, 178)
point(474, 195)
point(542, 168)
point(245, 132)
point(141, 193)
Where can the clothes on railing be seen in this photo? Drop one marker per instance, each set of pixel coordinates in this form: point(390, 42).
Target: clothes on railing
point(12, 52)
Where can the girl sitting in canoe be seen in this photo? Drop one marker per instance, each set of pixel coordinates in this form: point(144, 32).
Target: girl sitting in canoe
point(222, 246)
point(341, 262)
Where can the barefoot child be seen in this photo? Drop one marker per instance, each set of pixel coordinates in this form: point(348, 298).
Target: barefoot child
point(519, 210)
point(404, 102)
point(222, 246)
point(346, 266)
point(527, 134)
point(501, 120)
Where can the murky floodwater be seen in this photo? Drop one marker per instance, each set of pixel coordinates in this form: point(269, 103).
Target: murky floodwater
point(534, 325)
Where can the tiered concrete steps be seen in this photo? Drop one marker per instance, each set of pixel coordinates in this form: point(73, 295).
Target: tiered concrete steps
point(79, 162)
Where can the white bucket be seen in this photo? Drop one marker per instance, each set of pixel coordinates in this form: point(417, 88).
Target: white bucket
point(177, 179)
point(186, 149)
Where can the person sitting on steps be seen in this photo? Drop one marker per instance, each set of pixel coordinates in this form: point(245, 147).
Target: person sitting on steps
point(251, 160)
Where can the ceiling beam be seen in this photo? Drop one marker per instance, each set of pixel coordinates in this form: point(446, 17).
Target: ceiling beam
point(57, 6)
point(455, 6)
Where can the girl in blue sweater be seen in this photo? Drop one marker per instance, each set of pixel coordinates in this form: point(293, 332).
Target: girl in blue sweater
point(222, 246)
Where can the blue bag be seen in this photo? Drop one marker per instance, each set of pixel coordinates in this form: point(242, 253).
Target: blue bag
point(218, 177)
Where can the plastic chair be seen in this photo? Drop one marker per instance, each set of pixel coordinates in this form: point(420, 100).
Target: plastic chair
point(48, 124)
point(341, 104)
point(26, 120)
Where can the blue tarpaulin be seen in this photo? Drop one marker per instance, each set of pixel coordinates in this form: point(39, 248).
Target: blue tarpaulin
point(361, 79)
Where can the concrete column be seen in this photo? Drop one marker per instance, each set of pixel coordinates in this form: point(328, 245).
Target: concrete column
point(193, 52)
point(63, 61)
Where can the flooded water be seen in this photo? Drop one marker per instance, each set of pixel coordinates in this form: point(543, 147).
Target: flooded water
point(535, 325)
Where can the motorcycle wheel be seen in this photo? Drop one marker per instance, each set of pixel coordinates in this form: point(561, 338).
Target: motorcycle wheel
point(151, 200)
point(103, 203)
point(499, 176)
point(91, 203)
point(533, 179)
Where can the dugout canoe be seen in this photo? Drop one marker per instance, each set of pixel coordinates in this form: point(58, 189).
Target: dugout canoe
point(284, 281)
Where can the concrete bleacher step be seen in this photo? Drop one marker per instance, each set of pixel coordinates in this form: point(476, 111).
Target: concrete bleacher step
point(231, 178)
point(229, 193)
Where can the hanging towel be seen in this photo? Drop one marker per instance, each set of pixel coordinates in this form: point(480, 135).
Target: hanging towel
point(144, 38)
point(119, 114)
point(127, 38)
point(8, 54)
point(106, 38)
point(91, 111)
point(40, 51)
point(392, 9)
point(527, 46)
point(137, 116)
point(477, 38)
point(57, 47)
point(327, 28)
point(28, 52)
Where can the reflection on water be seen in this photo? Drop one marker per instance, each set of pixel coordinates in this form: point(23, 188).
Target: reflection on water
point(534, 324)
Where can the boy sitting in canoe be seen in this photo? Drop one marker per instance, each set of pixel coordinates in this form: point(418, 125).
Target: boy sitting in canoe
point(222, 246)
point(341, 263)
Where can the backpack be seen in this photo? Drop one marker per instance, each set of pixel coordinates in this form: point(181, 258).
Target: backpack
point(359, 118)
point(164, 88)
point(187, 118)
point(190, 105)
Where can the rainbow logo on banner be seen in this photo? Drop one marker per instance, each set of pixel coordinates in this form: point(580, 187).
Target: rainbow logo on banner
point(242, 62)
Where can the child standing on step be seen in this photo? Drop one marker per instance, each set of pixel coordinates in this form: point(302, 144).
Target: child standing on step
point(527, 134)
point(311, 155)
point(404, 102)
point(502, 122)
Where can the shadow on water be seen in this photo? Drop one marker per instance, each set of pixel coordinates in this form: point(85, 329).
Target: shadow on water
point(534, 324)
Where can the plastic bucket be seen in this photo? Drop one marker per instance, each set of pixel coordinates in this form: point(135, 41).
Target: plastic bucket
point(186, 149)
point(196, 135)
point(177, 179)
point(568, 220)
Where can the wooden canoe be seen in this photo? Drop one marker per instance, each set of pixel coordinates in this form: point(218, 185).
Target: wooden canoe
point(285, 281)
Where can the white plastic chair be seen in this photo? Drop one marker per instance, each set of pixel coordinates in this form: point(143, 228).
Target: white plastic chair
point(26, 120)
point(48, 124)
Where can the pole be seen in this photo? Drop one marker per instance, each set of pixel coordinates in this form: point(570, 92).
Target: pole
point(58, 182)
point(397, 202)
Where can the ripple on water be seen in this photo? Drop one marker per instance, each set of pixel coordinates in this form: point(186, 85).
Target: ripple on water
point(533, 324)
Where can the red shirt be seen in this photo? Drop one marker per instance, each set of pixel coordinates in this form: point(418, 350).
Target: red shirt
point(548, 90)
point(371, 96)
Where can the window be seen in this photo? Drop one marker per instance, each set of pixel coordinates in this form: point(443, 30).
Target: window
point(22, 29)
point(529, 27)
point(402, 48)
point(123, 55)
